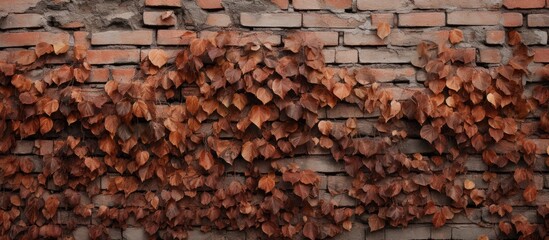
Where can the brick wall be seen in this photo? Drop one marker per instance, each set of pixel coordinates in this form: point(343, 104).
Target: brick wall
point(120, 33)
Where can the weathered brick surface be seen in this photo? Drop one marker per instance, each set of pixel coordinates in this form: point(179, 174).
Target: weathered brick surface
point(174, 37)
point(21, 39)
point(322, 4)
point(327, 20)
point(156, 18)
point(17, 6)
point(218, 20)
point(29, 20)
point(383, 5)
point(385, 55)
point(163, 3)
point(209, 4)
point(346, 56)
point(113, 56)
point(538, 20)
point(512, 19)
point(423, 19)
point(512, 4)
point(462, 4)
point(140, 37)
point(490, 56)
point(270, 20)
point(495, 37)
point(474, 18)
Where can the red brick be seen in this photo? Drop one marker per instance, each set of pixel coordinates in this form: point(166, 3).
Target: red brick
point(29, 20)
point(413, 38)
point(328, 38)
point(112, 56)
point(23, 147)
point(389, 74)
point(332, 20)
point(17, 6)
point(270, 19)
point(512, 4)
point(474, 18)
point(21, 39)
point(534, 37)
point(363, 39)
point(512, 19)
point(329, 55)
point(378, 18)
point(386, 55)
point(243, 38)
point(218, 20)
point(155, 19)
point(383, 5)
point(209, 4)
point(541, 55)
point(139, 37)
point(174, 37)
point(282, 4)
point(163, 3)
point(123, 74)
point(81, 39)
point(99, 75)
point(322, 4)
point(422, 19)
point(456, 4)
point(346, 56)
point(538, 20)
point(495, 37)
point(490, 56)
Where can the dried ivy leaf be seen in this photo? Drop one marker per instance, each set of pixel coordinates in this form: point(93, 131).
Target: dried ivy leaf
point(158, 57)
point(43, 48)
point(429, 133)
point(375, 223)
point(260, 114)
point(267, 182)
point(383, 30)
point(60, 48)
point(456, 36)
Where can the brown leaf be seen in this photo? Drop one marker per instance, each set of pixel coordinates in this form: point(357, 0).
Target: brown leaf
point(249, 151)
point(342, 90)
point(259, 114)
point(264, 95)
point(530, 193)
point(429, 133)
point(50, 207)
point(309, 177)
point(310, 230)
point(205, 159)
point(456, 36)
point(505, 227)
point(158, 57)
point(192, 104)
point(92, 163)
point(142, 157)
point(60, 48)
point(43, 48)
point(375, 223)
point(46, 124)
point(267, 182)
point(383, 30)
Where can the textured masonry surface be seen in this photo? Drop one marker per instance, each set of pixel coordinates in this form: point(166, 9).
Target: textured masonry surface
point(120, 34)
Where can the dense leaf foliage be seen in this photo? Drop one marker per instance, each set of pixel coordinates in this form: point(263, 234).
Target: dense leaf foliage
point(168, 140)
